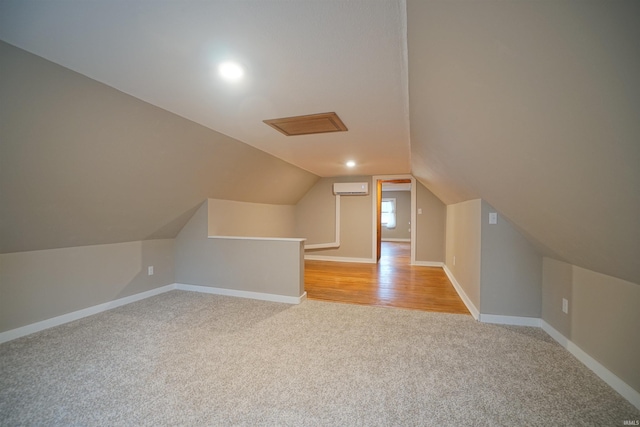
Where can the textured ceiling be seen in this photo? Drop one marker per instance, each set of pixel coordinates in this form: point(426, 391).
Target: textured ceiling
point(301, 57)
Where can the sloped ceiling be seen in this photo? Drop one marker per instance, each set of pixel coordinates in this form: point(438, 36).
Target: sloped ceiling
point(300, 57)
point(530, 105)
point(535, 107)
point(84, 164)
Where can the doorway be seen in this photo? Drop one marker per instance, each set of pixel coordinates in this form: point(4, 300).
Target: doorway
point(394, 213)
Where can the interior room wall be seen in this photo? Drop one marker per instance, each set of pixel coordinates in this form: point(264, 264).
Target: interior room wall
point(272, 267)
point(40, 285)
point(232, 218)
point(464, 246)
point(605, 320)
point(511, 270)
point(430, 239)
point(96, 184)
point(315, 219)
point(557, 283)
point(402, 230)
point(602, 318)
point(533, 106)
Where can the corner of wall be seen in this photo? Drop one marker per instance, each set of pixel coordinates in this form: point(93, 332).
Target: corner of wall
point(40, 285)
point(557, 283)
point(511, 277)
point(431, 218)
point(315, 219)
point(463, 247)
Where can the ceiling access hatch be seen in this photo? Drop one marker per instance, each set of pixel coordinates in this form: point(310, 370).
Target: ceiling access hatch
point(307, 125)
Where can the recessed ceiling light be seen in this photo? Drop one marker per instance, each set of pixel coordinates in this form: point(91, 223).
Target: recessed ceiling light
point(231, 71)
point(351, 163)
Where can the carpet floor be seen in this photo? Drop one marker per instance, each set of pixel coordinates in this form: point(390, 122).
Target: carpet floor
point(190, 359)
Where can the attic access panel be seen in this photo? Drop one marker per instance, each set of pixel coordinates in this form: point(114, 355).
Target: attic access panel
point(307, 125)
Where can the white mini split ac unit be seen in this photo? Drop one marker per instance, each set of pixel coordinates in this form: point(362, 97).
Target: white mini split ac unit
point(351, 188)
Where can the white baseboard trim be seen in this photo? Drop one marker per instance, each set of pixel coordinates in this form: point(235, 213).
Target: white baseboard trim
point(606, 375)
point(465, 299)
point(429, 263)
point(79, 314)
point(391, 239)
point(510, 320)
point(339, 259)
point(241, 294)
point(488, 318)
point(553, 333)
point(90, 311)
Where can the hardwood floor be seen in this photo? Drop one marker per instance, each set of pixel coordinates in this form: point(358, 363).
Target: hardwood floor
point(393, 282)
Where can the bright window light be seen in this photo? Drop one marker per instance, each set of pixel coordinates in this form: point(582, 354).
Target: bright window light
point(230, 71)
point(351, 163)
point(388, 210)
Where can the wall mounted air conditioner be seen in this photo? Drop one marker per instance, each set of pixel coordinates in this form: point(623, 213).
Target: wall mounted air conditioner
point(351, 188)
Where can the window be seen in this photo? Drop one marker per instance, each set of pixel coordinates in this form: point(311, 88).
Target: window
point(388, 217)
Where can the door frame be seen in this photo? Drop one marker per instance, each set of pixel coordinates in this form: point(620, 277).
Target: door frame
point(376, 233)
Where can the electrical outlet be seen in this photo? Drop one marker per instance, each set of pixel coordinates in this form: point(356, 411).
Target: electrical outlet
point(565, 306)
point(150, 270)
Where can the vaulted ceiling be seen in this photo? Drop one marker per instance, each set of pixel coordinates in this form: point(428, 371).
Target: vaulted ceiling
point(300, 57)
point(533, 106)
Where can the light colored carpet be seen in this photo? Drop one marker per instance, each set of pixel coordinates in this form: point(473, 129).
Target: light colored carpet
point(192, 359)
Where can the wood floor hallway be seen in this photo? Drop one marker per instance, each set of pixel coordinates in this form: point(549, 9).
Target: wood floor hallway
point(393, 282)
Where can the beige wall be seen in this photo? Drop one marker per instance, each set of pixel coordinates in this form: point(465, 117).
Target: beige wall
point(533, 106)
point(315, 219)
point(605, 322)
point(232, 218)
point(463, 250)
point(511, 278)
point(315, 215)
point(402, 230)
point(82, 163)
point(265, 266)
point(40, 285)
point(430, 226)
point(603, 318)
point(557, 283)
point(497, 268)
